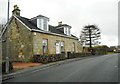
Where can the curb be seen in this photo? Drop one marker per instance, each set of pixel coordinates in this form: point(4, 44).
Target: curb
point(37, 68)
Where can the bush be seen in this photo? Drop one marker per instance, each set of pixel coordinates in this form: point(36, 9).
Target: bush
point(99, 50)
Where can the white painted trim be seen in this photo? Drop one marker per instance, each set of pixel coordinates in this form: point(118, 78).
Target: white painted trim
point(8, 23)
point(5, 27)
point(22, 22)
point(48, 32)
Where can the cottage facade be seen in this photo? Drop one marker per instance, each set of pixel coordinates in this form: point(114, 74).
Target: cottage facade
point(28, 37)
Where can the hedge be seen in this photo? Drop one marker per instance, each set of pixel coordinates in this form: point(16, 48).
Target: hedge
point(99, 51)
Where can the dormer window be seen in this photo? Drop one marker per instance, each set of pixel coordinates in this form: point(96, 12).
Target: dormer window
point(67, 30)
point(45, 25)
point(42, 22)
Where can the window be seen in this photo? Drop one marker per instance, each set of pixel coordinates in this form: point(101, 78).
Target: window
point(58, 51)
point(45, 25)
point(42, 24)
point(38, 23)
point(73, 47)
point(45, 46)
point(62, 47)
point(67, 30)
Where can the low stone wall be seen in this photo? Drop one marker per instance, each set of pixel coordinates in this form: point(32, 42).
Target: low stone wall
point(48, 58)
point(57, 57)
point(76, 55)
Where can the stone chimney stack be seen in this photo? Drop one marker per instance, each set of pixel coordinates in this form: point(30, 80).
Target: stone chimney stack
point(16, 10)
point(60, 23)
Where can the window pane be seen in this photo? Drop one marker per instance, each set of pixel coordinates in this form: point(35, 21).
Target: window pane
point(62, 46)
point(73, 47)
point(45, 24)
point(69, 31)
point(45, 45)
point(65, 30)
point(58, 47)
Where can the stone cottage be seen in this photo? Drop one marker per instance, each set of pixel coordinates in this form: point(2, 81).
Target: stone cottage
point(28, 37)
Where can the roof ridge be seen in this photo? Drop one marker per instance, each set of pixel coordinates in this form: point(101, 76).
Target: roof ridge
point(40, 15)
point(23, 17)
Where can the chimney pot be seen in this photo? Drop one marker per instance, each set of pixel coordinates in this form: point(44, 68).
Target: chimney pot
point(60, 23)
point(16, 10)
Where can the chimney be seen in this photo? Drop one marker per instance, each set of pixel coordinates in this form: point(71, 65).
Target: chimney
point(16, 10)
point(60, 23)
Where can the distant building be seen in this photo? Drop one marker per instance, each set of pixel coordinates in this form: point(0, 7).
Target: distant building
point(115, 48)
point(28, 37)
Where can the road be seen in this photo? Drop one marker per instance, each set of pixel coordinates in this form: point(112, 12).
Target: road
point(91, 69)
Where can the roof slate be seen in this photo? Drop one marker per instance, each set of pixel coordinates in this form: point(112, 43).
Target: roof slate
point(32, 24)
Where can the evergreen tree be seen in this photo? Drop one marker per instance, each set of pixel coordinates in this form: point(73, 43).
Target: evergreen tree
point(90, 35)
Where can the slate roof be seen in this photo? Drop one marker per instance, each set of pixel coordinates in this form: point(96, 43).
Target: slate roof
point(28, 23)
point(32, 24)
point(63, 25)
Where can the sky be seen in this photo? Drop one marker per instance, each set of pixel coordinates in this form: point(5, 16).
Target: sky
point(76, 13)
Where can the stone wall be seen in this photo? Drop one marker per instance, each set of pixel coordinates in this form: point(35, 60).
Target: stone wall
point(37, 38)
point(19, 42)
point(23, 44)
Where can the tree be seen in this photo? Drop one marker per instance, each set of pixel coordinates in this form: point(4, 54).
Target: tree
point(2, 24)
point(90, 35)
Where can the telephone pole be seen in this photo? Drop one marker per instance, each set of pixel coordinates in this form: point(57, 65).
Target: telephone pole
point(7, 57)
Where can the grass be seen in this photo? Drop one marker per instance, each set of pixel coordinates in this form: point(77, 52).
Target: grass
point(110, 53)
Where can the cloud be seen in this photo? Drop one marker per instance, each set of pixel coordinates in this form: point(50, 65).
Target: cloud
point(109, 40)
point(76, 13)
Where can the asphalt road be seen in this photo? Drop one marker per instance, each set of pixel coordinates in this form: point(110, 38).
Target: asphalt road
point(92, 69)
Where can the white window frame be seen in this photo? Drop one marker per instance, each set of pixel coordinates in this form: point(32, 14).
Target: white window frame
point(45, 41)
point(67, 31)
point(41, 22)
point(73, 47)
point(62, 44)
point(58, 47)
point(45, 22)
